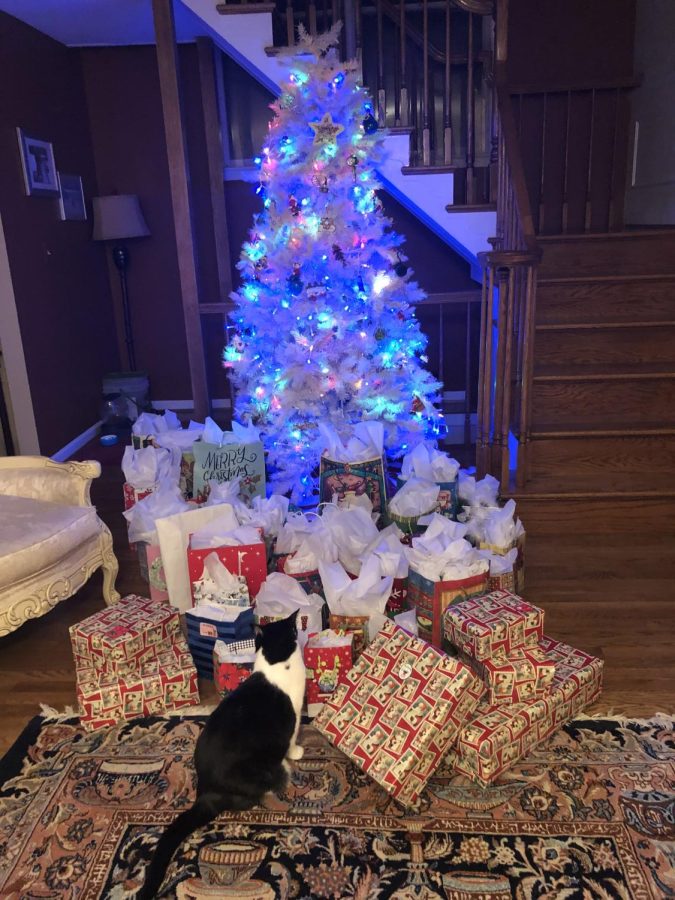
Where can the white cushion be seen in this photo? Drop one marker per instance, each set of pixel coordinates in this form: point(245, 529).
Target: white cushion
point(35, 534)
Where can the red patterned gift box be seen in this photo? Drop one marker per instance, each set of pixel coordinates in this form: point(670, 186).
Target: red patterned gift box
point(399, 710)
point(232, 664)
point(326, 666)
point(525, 674)
point(132, 631)
point(430, 599)
point(249, 560)
point(161, 685)
point(498, 736)
point(493, 625)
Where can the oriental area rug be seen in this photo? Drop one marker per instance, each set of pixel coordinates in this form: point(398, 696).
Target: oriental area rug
point(590, 814)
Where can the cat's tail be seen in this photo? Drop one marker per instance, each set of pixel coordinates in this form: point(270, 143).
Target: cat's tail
point(206, 807)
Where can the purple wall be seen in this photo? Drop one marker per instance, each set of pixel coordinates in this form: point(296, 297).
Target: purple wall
point(59, 274)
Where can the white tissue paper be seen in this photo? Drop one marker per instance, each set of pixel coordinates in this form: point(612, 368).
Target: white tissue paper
point(417, 497)
point(500, 565)
point(478, 493)
point(280, 595)
point(314, 548)
point(143, 516)
point(501, 528)
point(457, 561)
point(234, 653)
point(429, 463)
point(408, 621)
point(181, 438)
point(292, 533)
point(154, 423)
point(366, 595)
point(227, 492)
point(217, 534)
point(352, 530)
point(145, 468)
point(240, 434)
point(366, 442)
point(386, 546)
point(439, 533)
point(352, 500)
point(268, 513)
point(174, 536)
point(217, 611)
point(219, 585)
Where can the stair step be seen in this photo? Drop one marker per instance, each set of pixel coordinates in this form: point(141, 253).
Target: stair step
point(623, 253)
point(475, 207)
point(614, 299)
point(603, 400)
point(572, 348)
point(596, 462)
point(586, 514)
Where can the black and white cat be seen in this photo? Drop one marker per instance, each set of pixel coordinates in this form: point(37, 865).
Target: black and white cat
point(241, 753)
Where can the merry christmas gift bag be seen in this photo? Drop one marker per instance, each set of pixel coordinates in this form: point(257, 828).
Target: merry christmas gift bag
point(223, 456)
point(399, 710)
point(328, 659)
point(496, 737)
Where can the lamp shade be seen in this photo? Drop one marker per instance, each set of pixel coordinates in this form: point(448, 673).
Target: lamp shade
point(117, 217)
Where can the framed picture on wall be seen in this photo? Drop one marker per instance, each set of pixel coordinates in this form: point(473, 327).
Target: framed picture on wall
point(71, 199)
point(39, 169)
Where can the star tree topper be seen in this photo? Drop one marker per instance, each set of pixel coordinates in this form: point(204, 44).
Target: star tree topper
point(326, 131)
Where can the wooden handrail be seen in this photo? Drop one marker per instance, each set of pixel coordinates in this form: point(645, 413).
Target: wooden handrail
point(611, 85)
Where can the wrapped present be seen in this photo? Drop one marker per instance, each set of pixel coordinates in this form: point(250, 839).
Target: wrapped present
point(496, 737)
point(430, 599)
point(356, 626)
point(328, 658)
point(493, 625)
point(248, 560)
point(208, 624)
point(399, 710)
point(232, 664)
point(132, 631)
point(525, 674)
point(160, 685)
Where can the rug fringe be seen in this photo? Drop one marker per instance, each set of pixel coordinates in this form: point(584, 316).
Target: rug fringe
point(50, 714)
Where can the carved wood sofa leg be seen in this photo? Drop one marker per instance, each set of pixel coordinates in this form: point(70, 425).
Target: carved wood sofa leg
point(110, 566)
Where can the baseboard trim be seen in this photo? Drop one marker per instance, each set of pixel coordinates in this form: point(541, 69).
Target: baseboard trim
point(187, 404)
point(77, 443)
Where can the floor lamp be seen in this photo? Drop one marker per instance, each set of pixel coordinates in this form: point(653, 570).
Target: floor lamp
point(118, 218)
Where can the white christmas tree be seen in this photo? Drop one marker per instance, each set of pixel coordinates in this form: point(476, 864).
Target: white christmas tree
point(324, 329)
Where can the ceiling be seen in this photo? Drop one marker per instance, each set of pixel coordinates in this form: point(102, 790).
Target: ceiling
point(87, 23)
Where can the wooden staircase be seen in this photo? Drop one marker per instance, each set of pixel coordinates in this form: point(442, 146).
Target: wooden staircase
point(603, 386)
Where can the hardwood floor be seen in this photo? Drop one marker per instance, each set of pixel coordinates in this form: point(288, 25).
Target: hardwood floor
point(603, 589)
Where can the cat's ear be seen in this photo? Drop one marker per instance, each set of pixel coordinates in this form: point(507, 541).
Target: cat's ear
point(257, 636)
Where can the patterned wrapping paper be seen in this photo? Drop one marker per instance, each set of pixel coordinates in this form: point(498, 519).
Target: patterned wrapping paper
point(525, 674)
point(504, 582)
point(132, 631)
point(249, 560)
point(326, 668)
point(132, 496)
point(163, 684)
point(498, 736)
point(399, 710)
point(430, 599)
point(493, 625)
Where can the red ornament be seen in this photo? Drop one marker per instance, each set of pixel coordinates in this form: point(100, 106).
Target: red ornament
point(417, 405)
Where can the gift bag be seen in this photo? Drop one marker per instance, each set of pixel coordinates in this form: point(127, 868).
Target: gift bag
point(224, 456)
point(337, 479)
point(430, 599)
point(232, 664)
point(208, 624)
point(354, 626)
point(247, 560)
point(281, 595)
point(328, 658)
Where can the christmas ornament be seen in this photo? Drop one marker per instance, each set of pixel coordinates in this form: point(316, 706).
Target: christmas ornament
point(315, 290)
point(326, 131)
point(294, 206)
point(352, 162)
point(327, 224)
point(286, 101)
point(417, 405)
point(237, 342)
point(380, 333)
point(321, 181)
point(295, 282)
point(400, 267)
point(369, 124)
point(338, 254)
